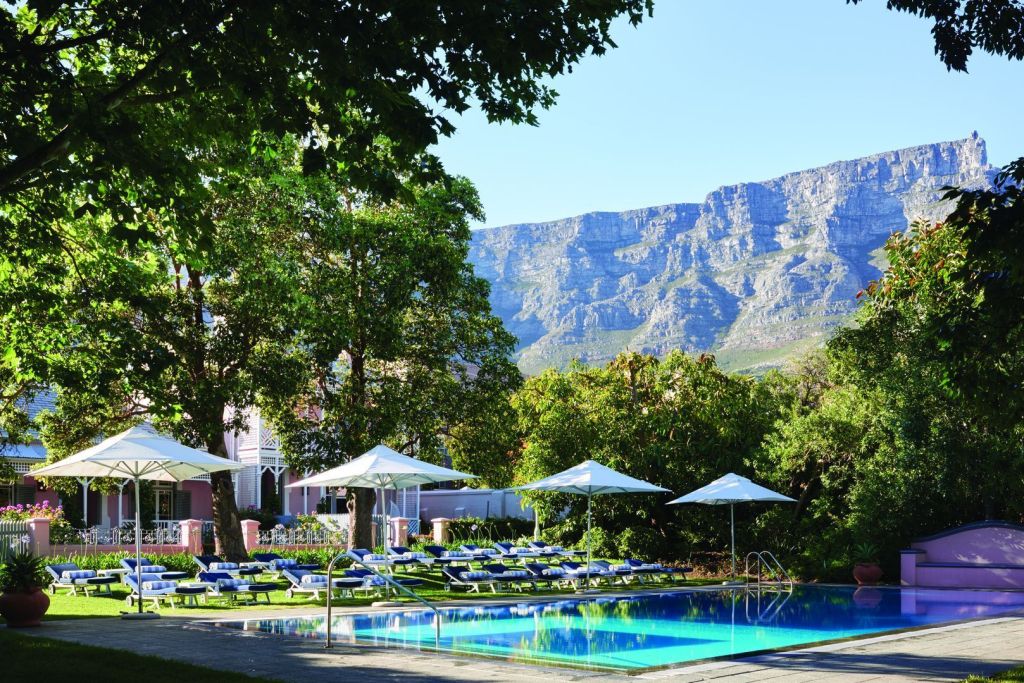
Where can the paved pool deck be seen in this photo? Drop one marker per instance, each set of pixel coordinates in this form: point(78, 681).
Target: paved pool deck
point(944, 653)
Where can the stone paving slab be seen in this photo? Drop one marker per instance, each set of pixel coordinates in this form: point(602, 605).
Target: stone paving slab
point(946, 653)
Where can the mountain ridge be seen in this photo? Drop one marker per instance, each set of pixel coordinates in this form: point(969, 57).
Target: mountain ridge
point(756, 272)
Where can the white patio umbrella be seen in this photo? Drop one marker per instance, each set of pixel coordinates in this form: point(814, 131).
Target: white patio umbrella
point(591, 479)
point(729, 490)
point(382, 468)
point(138, 453)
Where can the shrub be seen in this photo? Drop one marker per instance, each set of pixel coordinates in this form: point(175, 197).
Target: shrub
point(266, 518)
point(176, 562)
point(492, 529)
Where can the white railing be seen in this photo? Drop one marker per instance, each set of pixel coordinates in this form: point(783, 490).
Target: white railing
point(123, 535)
point(303, 536)
point(14, 538)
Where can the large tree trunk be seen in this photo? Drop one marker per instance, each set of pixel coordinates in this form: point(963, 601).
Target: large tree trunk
point(360, 517)
point(227, 525)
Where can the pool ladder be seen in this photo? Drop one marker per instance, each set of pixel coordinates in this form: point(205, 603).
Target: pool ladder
point(388, 582)
point(770, 572)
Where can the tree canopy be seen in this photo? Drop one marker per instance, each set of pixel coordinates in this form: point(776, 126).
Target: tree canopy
point(113, 105)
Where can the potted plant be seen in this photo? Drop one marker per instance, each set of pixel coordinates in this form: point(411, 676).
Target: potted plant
point(866, 571)
point(23, 602)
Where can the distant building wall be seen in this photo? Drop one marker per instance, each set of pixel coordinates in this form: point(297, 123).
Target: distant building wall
point(483, 503)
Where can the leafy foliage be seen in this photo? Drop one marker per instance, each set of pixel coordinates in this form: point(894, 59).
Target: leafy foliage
point(22, 573)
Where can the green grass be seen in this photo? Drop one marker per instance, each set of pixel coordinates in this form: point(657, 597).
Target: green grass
point(29, 658)
point(1016, 674)
point(64, 606)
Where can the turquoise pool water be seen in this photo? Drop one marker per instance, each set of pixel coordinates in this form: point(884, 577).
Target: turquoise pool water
point(627, 634)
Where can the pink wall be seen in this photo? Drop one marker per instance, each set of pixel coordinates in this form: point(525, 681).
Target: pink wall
point(293, 503)
point(979, 555)
point(1002, 545)
point(202, 499)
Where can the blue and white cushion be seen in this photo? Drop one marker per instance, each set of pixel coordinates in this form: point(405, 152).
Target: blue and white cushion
point(158, 585)
point(214, 566)
point(621, 567)
point(153, 568)
point(73, 574)
point(455, 554)
point(231, 583)
point(314, 579)
point(514, 574)
point(415, 556)
point(553, 571)
point(371, 557)
point(475, 575)
point(284, 563)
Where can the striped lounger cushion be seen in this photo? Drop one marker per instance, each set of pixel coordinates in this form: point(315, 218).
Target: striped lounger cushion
point(158, 585)
point(214, 566)
point(78, 574)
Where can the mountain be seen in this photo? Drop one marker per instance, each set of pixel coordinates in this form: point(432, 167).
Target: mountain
point(755, 273)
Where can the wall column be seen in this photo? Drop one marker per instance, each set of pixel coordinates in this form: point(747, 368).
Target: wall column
point(251, 533)
point(39, 533)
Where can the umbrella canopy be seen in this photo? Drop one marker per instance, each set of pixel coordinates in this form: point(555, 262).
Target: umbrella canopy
point(138, 453)
point(382, 468)
point(729, 490)
point(591, 479)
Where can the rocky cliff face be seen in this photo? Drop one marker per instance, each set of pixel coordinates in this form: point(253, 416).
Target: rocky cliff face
point(756, 273)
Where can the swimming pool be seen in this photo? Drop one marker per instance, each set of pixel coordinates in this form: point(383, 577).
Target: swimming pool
point(654, 630)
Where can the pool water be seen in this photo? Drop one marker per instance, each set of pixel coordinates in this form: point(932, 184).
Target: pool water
point(655, 630)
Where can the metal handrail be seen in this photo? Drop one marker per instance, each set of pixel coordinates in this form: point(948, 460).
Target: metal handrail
point(766, 559)
point(388, 580)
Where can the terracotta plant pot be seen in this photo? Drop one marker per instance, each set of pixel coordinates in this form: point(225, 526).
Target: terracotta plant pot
point(867, 598)
point(22, 609)
point(867, 573)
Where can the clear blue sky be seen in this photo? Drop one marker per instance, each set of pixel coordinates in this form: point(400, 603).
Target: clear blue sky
point(714, 92)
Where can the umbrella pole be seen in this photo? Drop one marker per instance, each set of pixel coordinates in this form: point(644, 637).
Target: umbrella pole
point(732, 534)
point(138, 559)
point(138, 542)
point(589, 497)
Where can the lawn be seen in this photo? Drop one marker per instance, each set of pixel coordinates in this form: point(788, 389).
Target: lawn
point(28, 658)
point(64, 606)
point(1013, 675)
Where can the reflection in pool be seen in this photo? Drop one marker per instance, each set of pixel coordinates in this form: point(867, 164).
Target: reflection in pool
point(656, 629)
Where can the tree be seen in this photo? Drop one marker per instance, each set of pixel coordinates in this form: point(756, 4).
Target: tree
point(679, 423)
point(99, 99)
point(400, 344)
point(996, 26)
point(148, 330)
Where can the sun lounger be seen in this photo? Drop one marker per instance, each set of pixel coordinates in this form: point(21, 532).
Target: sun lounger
point(552, 576)
point(621, 571)
point(480, 554)
point(274, 564)
point(444, 557)
point(400, 554)
point(513, 578)
point(375, 583)
point(656, 569)
point(555, 550)
point(507, 551)
point(378, 561)
point(467, 578)
point(69, 576)
point(544, 551)
point(224, 585)
point(212, 563)
point(149, 568)
point(578, 573)
point(305, 581)
point(152, 588)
